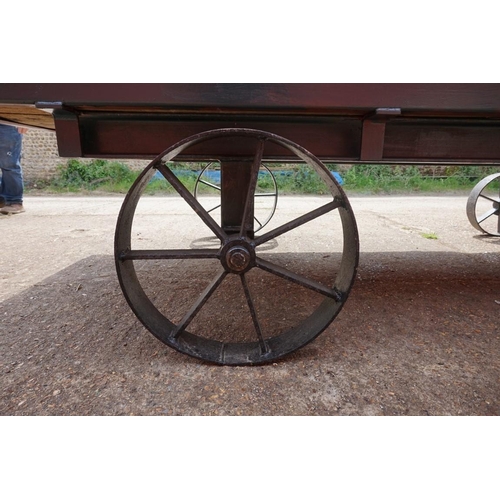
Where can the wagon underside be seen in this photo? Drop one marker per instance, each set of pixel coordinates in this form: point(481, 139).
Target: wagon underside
point(373, 123)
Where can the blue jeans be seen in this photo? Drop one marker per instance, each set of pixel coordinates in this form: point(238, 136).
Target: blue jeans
point(11, 182)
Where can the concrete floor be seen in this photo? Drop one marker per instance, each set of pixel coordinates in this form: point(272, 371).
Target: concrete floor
point(418, 335)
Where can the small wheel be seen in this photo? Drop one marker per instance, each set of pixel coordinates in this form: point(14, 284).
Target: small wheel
point(266, 193)
point(248, 299)
point(483, 205)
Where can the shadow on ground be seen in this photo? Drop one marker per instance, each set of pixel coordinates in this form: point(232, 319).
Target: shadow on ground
point(418, 336)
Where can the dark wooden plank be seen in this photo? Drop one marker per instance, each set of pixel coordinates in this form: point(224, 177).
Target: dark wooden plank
point(456, 98)
point(442, 140)
point(122, 136)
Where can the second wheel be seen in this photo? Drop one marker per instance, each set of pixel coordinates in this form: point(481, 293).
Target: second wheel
point(208, 187)
point(483, 205)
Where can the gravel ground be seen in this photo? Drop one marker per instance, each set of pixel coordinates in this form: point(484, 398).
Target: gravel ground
point(418, 335)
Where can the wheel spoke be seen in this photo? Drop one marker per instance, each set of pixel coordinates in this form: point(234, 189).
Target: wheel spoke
point(215, 208)
point(210, 184)
point(181, 254)
point(189, 316)
point(318, 212)
point(494, 200)
point(298, 279)
point(263, 346)
point(191, 201)
point(487, 214)
point(258, 222)
point(498, 212)
point(246, 222)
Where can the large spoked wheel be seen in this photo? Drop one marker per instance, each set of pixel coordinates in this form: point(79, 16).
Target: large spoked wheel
point(483, 205)
point(242, 277)
point(209, 182)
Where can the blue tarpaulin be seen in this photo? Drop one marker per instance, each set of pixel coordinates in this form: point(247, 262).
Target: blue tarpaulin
point(214, 175)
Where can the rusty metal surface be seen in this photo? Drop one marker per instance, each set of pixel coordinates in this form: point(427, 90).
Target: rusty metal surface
point(238, 252)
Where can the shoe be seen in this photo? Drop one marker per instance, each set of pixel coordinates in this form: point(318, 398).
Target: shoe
point(2, 202)
point(13, 208)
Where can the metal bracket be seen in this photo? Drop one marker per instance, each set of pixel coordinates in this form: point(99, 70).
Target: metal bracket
point(69, 141)
point(373, 135)
point(48, 105)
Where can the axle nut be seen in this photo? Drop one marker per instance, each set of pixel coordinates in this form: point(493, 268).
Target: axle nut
point(238, 258)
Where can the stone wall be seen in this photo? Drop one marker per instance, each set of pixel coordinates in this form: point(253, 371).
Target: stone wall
point(39, 155)
point(40, 158)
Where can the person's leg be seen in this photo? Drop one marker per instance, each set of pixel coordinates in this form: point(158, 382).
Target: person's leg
point(11, 187)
